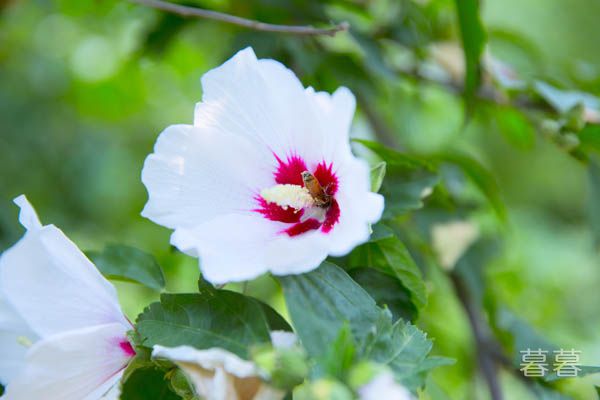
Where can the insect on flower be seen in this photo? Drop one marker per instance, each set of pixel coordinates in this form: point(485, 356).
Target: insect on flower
point(264, 180)
point(319, 195)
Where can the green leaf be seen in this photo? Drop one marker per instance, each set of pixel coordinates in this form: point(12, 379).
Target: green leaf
point(387, 254)
point(594, 198)
point(404, 348)
point(340, 356)
point(395, 158)
point(1, 390)
point(583, 371)
point(589, 137)
point(515, 127)
point(481, 177)
point(377, 174)
point(322, 301)
point(387, 291)
point(212, 318)
point(128, 263)
point(473, 40)
point(407, 179)
point(147, 383)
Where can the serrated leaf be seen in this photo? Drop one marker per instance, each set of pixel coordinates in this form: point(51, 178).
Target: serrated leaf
point(377, 175)
point(322, 301)
point(130, 264)
point(212, 318)
point(387, 254)
point(473, 41)
point(147, 383)
point(404, 348)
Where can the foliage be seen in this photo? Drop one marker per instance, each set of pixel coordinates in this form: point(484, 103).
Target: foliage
point(479, 113)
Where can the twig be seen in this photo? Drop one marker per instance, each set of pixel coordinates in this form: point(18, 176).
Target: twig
point(186, 11)
point(485, 346)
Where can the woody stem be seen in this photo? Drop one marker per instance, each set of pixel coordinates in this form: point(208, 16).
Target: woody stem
point(485, 346)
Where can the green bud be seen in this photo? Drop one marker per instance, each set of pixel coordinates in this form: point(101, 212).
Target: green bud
point(286, 368)
point(180, 384)
point(323, 389)
point(574, 118)
point(550, 128)
point(568, 141)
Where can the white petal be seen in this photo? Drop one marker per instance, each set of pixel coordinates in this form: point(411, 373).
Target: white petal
point(209, 359)
point(264, 101)
point(13, 333)
point(239, 247)
point(76, 365)
point(218, 374)
point(196, 174)
point(359, 207)
point(283, 339)
point(383, 386)
point(27, 217)
point(54, 287)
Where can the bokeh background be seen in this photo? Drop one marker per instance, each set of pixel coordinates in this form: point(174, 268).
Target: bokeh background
point(87, 85)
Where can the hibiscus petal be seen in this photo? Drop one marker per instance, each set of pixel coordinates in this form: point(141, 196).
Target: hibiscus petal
point(196, 174)
point(53, 286)
point(239, 247)
point(13, 331)
point(358, 206)
point(264, 101)
point(83, 364)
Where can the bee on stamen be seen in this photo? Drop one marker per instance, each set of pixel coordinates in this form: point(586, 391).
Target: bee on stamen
point(319, 195)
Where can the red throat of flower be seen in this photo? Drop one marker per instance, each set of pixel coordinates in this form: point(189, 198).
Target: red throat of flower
point(321, 184)
point(127, 348)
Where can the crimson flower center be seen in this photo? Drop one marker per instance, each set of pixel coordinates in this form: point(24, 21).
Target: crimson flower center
point(302, 198)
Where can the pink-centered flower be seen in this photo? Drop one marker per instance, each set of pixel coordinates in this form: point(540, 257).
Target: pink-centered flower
point(264, 180)
point(61, 325)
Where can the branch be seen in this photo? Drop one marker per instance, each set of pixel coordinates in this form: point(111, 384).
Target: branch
point(186, 11)
point(485, 346)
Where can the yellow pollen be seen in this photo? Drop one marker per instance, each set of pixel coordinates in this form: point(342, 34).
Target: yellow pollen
point(287, 195)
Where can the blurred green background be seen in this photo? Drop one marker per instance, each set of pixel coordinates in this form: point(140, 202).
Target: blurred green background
point(87, 85)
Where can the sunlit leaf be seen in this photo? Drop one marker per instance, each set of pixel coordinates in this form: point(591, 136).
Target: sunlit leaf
point(377, 175)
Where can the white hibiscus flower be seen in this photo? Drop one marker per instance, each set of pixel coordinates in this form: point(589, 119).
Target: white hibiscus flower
point(61, 327)
point(264, 180)
point(217, 374)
